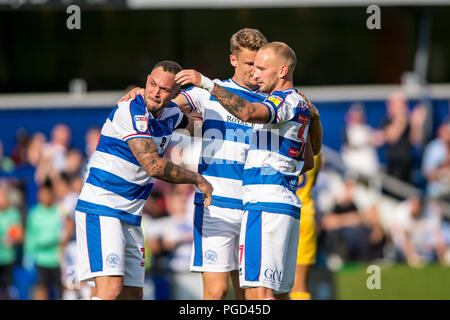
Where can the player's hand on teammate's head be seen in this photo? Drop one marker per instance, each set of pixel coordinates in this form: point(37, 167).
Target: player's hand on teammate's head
point(207, 189)
point(133, 93)
point(188, 76)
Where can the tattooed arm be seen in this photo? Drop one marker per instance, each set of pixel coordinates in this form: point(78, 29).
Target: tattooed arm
point(147, 155)
point(237, 106)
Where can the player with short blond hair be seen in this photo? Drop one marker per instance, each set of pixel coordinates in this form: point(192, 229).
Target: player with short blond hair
point(283, 123)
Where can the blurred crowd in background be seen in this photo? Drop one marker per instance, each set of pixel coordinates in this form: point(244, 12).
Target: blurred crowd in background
point(358, 218)
point(397, 210)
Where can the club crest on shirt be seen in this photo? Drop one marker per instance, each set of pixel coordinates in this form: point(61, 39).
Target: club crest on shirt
point(141, 123)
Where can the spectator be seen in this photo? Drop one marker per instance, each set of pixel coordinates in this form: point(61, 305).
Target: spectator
point(156, 256)
point(155, 228)
point(56, 150)
point(358, 151)
point(345, 233)
point(28, 174)
point(6, 163)
point(91, 139)
point(11, 234)
point(155, 214)
point(66, 201)
point(74, 163)
point(436, 163)
point(42, 243)
point(170, 241)
point(179, 233)
point(18, 154)
point(416, 232)
point(399, 133)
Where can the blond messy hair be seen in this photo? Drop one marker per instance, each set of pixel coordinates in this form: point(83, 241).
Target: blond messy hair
point(251, 39)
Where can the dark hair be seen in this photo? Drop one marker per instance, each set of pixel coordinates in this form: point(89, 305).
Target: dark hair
point(169, 66)
point(46, 184)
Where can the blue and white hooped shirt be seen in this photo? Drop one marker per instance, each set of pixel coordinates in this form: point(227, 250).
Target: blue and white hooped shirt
point(117, 185)
point(226, 140)
point(276, 155)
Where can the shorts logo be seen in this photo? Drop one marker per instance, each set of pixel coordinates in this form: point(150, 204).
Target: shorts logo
point(274, 275)
point(210, 256)
point(113, 261)
point(292, 185)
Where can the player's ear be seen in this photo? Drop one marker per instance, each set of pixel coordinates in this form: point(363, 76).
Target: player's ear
point(283, 71)
point(176, 92)
point(233, 60)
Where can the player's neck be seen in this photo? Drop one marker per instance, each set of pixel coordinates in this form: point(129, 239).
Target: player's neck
point(156, 113)
point(242, 84)
point(283, 84)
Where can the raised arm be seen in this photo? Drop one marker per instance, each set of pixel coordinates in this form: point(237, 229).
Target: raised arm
point(182, 102)
point(147, 155)
point(237, 106)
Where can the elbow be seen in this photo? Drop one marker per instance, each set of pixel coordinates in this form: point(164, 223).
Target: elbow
point(154, 167)
point(245, 116)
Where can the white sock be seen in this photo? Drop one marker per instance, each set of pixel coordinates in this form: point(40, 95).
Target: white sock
point(95, 298)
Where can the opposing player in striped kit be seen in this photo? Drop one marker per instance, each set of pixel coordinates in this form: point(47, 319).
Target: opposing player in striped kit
point(270, 226)
point(121, 175)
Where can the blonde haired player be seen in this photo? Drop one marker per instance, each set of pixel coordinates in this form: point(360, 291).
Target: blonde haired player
point(285, 120)
point(307, 246)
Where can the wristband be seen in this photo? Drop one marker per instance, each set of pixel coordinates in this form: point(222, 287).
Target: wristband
point(206, 83)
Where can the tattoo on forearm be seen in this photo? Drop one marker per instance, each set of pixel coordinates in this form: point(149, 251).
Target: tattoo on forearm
point(231, 102)
point(147, 155)
point(176, 174)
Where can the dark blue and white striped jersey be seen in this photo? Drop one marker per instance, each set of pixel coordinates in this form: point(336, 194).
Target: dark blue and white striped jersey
point(117, 185)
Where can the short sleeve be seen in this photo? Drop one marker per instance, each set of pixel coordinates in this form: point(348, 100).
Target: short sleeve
point(285, 106)
point(131, 120)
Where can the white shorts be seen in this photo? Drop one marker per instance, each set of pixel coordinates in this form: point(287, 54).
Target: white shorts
point(216, 239)
point(109, 247)
point(268, 250)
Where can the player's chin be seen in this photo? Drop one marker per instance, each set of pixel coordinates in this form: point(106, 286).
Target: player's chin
point(262, 87)
point(155, 106)
point(252, 83)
